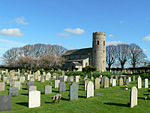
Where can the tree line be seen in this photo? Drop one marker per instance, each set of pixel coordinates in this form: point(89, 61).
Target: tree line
point(35, 56)
point(122, 54)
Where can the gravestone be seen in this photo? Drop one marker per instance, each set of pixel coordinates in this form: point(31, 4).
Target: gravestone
point(42, 79)
point(13, 91)
point(74, 91)
point(65, 78)
point(2, 86)
point(124, 78)
point(133, 97)
point(32, 88)
point(85, 83)
point(5, 103)
point(111, 80)
point(120, 81)
point(97, 83)
point(71, 78)
point(48, 89)
point(129, 79)
point(133, 78)
point(18, 85)
point(114, 82)
point(106, 82)
point(61, 78)
point(47, 77)
point(62, 87)
point(57, 83)
point(22, 79)
point(77, 79)
point(39, 78)
point(90, 89)
point(139, 82)
point(30, 83)
point(34, 99)
point(146, 83)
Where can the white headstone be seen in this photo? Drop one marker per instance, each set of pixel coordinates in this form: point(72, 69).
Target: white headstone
point(34, 99)
point(90, 89)
point(77, 78)
point(114, 82)
point(146, 83)
point(57, 83)
point(139, 83)
point(133, 97)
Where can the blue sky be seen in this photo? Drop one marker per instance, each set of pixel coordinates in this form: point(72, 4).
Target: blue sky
point(70, 23)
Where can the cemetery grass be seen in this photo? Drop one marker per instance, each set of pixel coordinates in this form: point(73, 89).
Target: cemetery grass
point(106, 100)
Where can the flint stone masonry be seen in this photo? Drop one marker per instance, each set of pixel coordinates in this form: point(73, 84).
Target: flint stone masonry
point(34, 99)
point(133, 97)
point(2, 86)
point(74, 91)
point(48, 89)
point(57, 83)
point(90, 89)
point(5, 103)
point(13, 91)
point(62, 87)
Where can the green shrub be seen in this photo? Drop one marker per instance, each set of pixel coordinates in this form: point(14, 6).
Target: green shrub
point(89, 69)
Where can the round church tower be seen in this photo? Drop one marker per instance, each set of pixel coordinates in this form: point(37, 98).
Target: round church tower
point(99, 51)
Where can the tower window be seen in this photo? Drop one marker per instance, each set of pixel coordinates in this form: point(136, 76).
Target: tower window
point(103, 43)
point(97, 43)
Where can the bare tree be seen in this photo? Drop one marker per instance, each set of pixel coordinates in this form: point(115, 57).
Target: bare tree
point(136, 55)
point(122, 52)
point(110, 55)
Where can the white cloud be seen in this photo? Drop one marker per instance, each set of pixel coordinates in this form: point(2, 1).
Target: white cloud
point(110, 35)
point(9, 43)
point(114, 43)
point(64, 35)
point(21, 20)
point(11, 32)
point(146, 38)
point(77, 31)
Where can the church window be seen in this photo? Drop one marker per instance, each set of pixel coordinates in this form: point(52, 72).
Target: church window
point(97, 43)
point(103, 43)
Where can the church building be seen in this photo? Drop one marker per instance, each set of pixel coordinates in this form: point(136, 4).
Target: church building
point(96, 56)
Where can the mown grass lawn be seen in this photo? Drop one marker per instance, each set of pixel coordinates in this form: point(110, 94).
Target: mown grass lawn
point(108, 100)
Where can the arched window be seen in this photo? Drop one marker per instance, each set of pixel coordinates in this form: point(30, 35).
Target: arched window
point(97, 43)
point(103, 43)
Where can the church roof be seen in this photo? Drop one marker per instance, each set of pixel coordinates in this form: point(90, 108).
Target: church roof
point(78, 51)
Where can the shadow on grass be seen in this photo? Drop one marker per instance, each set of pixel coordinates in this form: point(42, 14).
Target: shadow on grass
point(24, 89)
point(82, 96)
point(49, 102)
point(23, 103)
point(118, 104)
point(55, 91)
point(141, 98)
point(62, 98)
point(26, 94)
